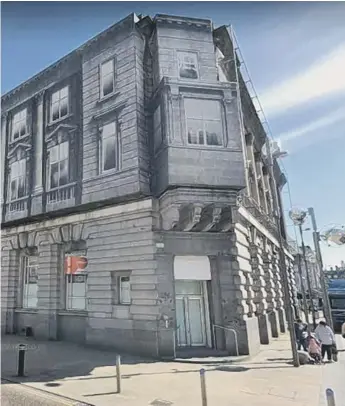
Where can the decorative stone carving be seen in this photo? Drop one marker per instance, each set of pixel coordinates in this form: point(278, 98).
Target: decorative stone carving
point(60, 134)
point(22, 240)
point(44, 238)
point(170, 218)
point(31, 238)
point(66, 232)
point(77, 231)
point(19, 151)
point(216, 216)
point(194, 216)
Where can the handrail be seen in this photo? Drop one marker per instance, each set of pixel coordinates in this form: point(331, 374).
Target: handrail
point(214, 326)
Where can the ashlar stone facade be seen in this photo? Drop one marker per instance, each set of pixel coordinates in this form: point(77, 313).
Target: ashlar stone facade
point(137, 200)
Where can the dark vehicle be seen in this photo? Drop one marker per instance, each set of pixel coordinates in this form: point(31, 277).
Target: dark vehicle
point(336, 294)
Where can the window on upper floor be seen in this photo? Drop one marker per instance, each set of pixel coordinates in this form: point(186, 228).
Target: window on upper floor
point(108, 147)
point(19, 124)
point(187, 65)
point(157, 128)
point(107, 78)
point(59, 104)
point(59, 165)
point(30, 278)
point(204, 122)
point(18, 179)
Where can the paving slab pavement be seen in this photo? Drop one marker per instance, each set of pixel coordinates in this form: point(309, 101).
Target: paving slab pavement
point(88, 375)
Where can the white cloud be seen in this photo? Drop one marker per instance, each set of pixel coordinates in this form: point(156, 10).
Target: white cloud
point(323, 78)
point(334, 117)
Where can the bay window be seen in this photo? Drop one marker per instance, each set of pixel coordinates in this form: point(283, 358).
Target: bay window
point(107, 78)
point(19, 124)
point(204, 122)
point(30, 278)
point(76, 281)
point(18, 179)
point(59, 106)
point(58, 165)
point(108, 147)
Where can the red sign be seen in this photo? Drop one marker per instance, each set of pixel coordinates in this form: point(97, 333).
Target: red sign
point(75, 264)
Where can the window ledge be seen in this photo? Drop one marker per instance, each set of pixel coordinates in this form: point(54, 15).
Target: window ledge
point(60, 120)
point(109, 174)
point(206, 147)
point(12, 142)
point(26, 310)
point(107, 98)
point(81, 313)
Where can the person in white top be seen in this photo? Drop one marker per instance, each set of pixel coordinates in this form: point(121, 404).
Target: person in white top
point(327, 339)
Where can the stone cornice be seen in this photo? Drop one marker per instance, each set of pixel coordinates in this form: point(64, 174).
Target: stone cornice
point(74, 54)
point(168, 20)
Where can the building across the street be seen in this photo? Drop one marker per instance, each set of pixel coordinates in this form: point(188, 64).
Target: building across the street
point(138, 197)
point(302, 268)
point(337, 272)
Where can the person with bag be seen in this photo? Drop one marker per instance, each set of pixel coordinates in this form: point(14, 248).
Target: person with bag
point(327, 339)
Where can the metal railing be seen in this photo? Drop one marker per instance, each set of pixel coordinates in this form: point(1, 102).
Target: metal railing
point(18, 204)
point(214, 326)
point(62, 193)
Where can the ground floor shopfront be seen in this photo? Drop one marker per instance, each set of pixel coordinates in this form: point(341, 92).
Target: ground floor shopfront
point(115, 278)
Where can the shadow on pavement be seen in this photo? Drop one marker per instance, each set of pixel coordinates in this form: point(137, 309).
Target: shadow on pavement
point(46, 361)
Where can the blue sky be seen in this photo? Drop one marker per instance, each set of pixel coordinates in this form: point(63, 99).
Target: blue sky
point(295, 52)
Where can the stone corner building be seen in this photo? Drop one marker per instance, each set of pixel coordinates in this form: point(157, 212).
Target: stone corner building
point(122, 165)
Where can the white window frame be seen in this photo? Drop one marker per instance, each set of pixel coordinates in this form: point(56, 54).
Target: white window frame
point(16, 178)
point(181, 62)
point(204, 122)
point(27, 269)
point(58, 92)
point(103, 76)
point(122, 300)
point(103, 138)
point(69, 286)
point(59, 160)
point(18, 118)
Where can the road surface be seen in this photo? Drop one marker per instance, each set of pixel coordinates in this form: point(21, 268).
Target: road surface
point(334, 376)
point(15, 394)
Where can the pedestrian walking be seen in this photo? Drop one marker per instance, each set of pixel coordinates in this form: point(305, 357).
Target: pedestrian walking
point(343, 330)
point(301, 334)
point(327, 339)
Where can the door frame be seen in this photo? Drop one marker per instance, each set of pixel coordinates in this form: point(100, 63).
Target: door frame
point(206, 314)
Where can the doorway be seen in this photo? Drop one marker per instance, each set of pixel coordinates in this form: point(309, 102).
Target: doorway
point(192, 315)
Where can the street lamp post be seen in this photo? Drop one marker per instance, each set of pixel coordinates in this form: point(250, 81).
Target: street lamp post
point(316, 237)
point(304, 298)
point(308, 276)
